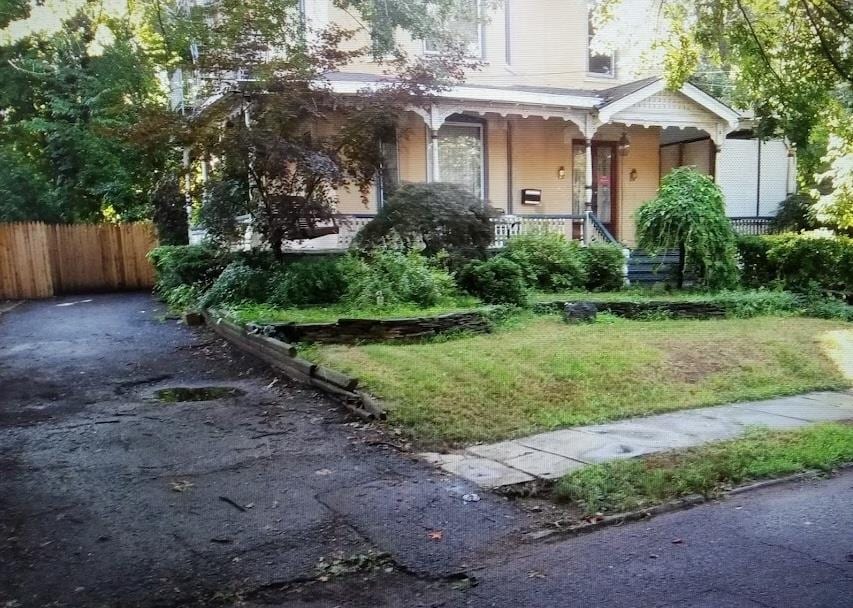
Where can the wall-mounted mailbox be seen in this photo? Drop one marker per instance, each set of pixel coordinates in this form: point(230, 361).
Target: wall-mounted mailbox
point(531, 197)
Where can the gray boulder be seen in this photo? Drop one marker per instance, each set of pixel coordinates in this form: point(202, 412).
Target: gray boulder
point(579, 312)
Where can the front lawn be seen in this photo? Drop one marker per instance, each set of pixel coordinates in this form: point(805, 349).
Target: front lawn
point(539, 373)
point(632, 484)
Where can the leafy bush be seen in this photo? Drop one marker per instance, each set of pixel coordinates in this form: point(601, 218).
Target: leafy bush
point(745, 304)
point(182, 297)
point(548, 261)
point(388, 277)
point(498, 280)
point(689, 215)
point(177, 265)
point(799, 262)
point(237, 283)
point(308, 283)
point(603, 266)
point(437, 216)
point(794, 214)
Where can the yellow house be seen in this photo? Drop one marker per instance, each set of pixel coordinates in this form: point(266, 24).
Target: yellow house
point(547, 128)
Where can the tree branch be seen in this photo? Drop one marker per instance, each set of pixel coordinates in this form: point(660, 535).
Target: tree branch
point(824, 44)
point(758, 43)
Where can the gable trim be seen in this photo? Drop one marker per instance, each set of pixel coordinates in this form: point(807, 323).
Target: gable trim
point(606, 112)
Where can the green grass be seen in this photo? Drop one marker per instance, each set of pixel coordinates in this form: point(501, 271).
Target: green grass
point(536, 373)
point(259, 313)
point(631, 484)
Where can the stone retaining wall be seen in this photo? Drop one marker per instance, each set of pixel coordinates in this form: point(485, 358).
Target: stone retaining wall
point(353, 331)
point(642, 310)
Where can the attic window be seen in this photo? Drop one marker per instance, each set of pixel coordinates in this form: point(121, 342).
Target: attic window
point(598, 64)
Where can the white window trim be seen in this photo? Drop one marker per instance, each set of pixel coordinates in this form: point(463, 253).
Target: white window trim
point(469, 125)
point(481, 38)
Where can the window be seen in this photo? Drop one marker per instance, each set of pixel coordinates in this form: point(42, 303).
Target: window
point(466, 27)
point(460, 156)
point(598, 64)
point(389, 172)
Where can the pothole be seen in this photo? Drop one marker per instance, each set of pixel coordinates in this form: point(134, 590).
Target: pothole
point(181, 394)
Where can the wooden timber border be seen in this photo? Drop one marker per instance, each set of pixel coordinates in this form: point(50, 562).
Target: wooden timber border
point(284, 357)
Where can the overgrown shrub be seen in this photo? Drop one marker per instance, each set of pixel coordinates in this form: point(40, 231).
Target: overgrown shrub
point(498, 280)
point(794, 214)
point(389, 277)
point(756, 303)
point(177, 265)
point(689, 215)
point(548, 261)
point(308, 283)
point(438, 217)
point(170, 211)
point(237, 283)
point(799, 262)
point(603, 266)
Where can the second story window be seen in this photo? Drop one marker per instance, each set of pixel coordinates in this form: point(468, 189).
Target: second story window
point(598, 64)
point(466, 27)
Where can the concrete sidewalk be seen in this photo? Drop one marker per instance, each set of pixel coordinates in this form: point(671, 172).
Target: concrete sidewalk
point(551, 455)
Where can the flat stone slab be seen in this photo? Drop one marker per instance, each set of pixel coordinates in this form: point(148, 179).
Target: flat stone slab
point(740, 420)
point(482, 471)
point(501, 452)
point(570, 443)
point(811, 410)
point(544, 465)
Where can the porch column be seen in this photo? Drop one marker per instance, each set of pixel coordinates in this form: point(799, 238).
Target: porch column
point(587, 221)
point(436, 119)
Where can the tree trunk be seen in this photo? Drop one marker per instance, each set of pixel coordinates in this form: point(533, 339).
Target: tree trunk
point(682, 264)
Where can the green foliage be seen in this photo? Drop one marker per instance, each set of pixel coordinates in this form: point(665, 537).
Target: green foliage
point(627, 485)
point(498, 280)
point(388, 277)
point(170, 212)
point(794, 214)
point(70, 101)
point(197, 265)
point(437, 217)
point(549, 262)
point(238, 283)
point(799, 262)
point(182, 297)
point(26, 191)
point(689, 214)
point(756, 303)
point(309, 283)
point(603, 265)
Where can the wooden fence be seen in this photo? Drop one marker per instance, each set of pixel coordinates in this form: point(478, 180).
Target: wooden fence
point(41, 260)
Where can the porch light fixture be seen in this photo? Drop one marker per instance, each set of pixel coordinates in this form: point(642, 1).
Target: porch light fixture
point(561, 173)
point(633, 175)
point(624, 144)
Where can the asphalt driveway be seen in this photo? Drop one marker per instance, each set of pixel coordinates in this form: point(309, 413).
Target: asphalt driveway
point(110, 497)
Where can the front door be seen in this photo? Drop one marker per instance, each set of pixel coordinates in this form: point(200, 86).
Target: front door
point(603, 180)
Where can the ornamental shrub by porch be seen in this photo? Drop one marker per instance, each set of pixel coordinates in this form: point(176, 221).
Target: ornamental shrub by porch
point(498, 280)
point(436, 217)
point(548, 261)
point(689, 215)
point(603, 266)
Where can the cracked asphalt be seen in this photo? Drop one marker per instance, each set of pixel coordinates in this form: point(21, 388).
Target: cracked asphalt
point(109, 497)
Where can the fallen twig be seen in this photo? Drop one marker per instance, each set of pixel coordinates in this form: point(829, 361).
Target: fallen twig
point(239, 507)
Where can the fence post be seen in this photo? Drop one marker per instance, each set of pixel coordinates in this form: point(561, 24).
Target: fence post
point(626, 266)
point(587, 228)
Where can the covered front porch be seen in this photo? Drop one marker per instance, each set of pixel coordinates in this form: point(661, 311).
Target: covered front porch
point(575, 162)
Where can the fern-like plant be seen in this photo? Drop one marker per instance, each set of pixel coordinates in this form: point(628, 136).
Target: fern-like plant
point(689, 215)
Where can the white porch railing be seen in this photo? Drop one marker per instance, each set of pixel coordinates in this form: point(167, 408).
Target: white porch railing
point(508, 226)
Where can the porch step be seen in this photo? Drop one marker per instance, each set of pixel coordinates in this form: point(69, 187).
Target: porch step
point(644, 268)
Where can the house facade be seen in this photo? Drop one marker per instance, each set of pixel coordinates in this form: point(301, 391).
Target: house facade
point(549, 131)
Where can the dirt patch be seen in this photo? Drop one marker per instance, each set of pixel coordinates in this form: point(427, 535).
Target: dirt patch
point(690, 362)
